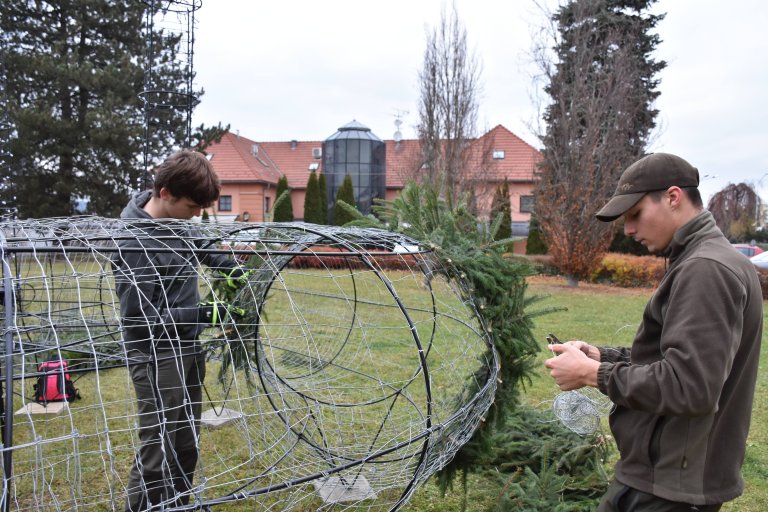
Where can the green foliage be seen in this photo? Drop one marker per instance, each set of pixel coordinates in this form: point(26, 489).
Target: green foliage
point(313, 211)
point(346, 194)
point(553, 469)
point(282, 211)
point(323, 191)
point(73, 72)
point(502, 208)
point(535, 244)
point(207, 135)
point(497, 285)
point(234, 353)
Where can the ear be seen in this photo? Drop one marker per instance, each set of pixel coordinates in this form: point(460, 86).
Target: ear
point(165, 194)
point(675, 195)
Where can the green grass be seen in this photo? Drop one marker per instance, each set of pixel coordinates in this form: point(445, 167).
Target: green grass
point(339, 338)
point(607, 315)
point(597, 314)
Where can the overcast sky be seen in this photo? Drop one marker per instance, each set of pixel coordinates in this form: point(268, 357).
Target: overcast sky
point(299, 69)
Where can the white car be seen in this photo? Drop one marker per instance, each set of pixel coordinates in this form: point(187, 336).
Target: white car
point(760, 260)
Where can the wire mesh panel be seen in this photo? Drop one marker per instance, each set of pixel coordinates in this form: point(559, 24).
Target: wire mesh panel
point(348, 378)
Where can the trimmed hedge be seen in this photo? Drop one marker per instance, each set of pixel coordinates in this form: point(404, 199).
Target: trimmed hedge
point(628, 271)
point(616, 269)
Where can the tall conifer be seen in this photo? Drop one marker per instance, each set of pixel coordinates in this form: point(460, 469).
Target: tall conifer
point(347, 194)
point(283, 209)
point(312, 208)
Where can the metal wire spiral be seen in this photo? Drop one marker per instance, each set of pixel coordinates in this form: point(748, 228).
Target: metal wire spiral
point(581, 411)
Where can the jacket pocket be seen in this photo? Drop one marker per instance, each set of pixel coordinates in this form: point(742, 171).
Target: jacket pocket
point(654, 444)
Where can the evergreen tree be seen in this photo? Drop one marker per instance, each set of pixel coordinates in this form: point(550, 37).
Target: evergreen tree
point(323, 190)
point(347, 194)
point(283, 210)
point(535, 243)
point(312, 207)
point(602, 86)
point(501, 211)
point(74, 70)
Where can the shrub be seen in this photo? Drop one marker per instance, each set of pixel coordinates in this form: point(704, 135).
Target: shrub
point(628, 270)
point(543, 264)
point(535, 244)
point(762, 274)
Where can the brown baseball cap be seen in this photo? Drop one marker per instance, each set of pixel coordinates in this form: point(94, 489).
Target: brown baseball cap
point(657, 171)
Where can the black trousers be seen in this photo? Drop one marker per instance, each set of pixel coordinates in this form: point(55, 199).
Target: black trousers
point(169, 399)
point(622, 498)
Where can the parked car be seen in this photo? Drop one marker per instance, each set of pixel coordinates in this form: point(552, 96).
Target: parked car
point(748, 250)
point(760, 260)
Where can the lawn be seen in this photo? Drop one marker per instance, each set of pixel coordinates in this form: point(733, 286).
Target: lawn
point(105, 438)
point(608, 315)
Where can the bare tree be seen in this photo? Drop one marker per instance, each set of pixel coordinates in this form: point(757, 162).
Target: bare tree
point(449, 86)
point(601, 87)
point(736, 210)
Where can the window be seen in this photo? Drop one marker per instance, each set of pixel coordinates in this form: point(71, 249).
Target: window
point(498, 154)
point(225, 203)
point(526, 204)
point(314, 166)
point(266, 205)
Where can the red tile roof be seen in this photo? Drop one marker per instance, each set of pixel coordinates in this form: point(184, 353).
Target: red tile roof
point(403, 161)
point(237, 159)
point(518, 164)
point(294, 159)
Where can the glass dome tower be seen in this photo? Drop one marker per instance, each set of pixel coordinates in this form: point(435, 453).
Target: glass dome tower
point(354, 150)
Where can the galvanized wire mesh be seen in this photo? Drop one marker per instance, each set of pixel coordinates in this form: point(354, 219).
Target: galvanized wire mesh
point(349, 380)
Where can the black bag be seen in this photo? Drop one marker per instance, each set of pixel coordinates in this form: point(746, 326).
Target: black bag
point(55, 384)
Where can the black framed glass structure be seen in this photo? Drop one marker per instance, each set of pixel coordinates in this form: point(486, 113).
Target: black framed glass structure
point(354, 150)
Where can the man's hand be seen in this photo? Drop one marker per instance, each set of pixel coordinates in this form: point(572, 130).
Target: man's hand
point(572, 368)
point(238, 277)
point(214, 313)
point(591, 351)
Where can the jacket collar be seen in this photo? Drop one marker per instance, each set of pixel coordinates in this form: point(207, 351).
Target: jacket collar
point(699, 228)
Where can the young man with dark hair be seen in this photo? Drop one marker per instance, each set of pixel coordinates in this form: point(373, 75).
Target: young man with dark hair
point(156, 280)
point(683, 392)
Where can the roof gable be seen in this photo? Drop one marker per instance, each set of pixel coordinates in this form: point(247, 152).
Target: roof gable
point(237, 159)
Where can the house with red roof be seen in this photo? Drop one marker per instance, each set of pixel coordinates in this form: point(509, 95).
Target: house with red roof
point(249, 172)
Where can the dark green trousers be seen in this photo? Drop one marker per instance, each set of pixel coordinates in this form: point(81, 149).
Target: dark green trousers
point(621, 498)
point(169, 402)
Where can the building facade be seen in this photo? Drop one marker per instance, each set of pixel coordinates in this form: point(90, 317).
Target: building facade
point(249, 171)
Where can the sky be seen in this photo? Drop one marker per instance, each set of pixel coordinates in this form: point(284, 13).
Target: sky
point(300, 69)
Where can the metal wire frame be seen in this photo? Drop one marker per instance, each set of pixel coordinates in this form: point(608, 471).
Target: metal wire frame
point(326, 402)
point(177, 18)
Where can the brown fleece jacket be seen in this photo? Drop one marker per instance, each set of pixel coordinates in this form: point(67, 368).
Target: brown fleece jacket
point(684, 391)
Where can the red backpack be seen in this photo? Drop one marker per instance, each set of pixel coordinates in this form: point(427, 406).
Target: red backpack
point(55, 385)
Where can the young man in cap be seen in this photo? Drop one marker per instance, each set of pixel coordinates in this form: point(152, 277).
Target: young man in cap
point(156, 280)
point(683, 392)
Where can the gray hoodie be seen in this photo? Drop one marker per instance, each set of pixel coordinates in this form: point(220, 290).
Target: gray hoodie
point(156, 280)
